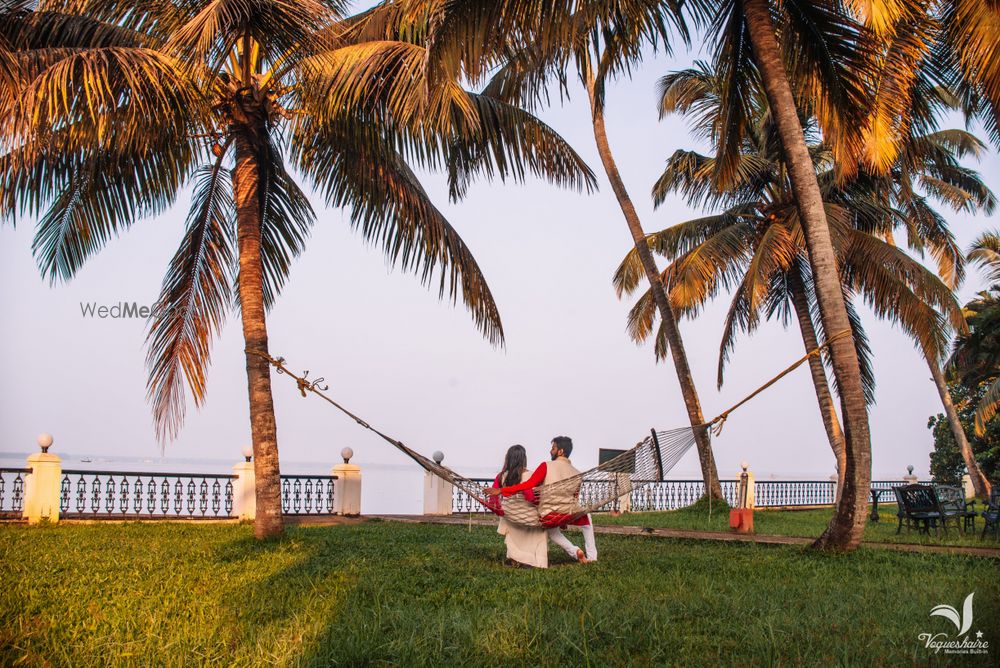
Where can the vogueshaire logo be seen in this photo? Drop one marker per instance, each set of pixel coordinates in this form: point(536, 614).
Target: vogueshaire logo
point(960, 643)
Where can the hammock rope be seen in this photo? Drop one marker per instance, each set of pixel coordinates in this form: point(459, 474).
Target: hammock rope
point(562, 502)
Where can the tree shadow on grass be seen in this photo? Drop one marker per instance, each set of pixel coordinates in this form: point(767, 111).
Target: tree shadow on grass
point(378, 593)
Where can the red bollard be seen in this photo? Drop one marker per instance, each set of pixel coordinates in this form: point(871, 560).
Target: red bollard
point(741, 520)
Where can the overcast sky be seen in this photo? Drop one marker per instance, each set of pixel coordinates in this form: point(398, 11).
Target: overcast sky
point(418, 369)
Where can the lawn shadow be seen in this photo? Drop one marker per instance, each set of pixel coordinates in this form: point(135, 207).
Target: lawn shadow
point(364, 594)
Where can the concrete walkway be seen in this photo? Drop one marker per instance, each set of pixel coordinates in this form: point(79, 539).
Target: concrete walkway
point(689, 534)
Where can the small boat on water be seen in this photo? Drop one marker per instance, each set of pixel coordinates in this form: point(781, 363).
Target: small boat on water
point(86, 460)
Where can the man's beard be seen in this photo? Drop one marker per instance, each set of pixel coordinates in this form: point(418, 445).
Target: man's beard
point(555, 455)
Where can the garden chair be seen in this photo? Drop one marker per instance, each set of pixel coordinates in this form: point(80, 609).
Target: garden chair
point(991, 516)
point(918, 508)
point(952, 506)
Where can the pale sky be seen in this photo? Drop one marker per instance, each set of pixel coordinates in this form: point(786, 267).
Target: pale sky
point(419, 370)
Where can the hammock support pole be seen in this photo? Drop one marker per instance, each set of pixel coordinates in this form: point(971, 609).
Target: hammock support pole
point(656, 453)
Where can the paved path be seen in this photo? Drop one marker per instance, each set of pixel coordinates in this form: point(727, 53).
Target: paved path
point(689, 534)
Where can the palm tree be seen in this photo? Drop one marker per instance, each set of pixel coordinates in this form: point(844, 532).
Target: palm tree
point(809, 29)
point(113, 108)
point(754, 248)
point(528, 44)
point(976, 356)
point(599, 53)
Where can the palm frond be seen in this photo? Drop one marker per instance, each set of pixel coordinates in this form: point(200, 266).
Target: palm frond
point(192, 304)
point(739, 87)
point(829, 63)
point(508, 142)
point(985, 252)
point(278, 28)
point(90, 198)
point(390, 207)
point(287, 218)
point(676, 241)
point(88, 87)
point(987, 407)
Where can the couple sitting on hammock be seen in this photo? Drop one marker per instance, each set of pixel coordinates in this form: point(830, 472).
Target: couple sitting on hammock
point(527, 519)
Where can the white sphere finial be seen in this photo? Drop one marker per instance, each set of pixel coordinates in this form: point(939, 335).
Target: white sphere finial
point(909, 469)
point(347, 453)
point(248, 452)
point(438, 456)
point(45, 441)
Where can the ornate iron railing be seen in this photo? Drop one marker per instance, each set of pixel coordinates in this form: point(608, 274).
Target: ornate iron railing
point(12, 491)
point(307, 494)
point(122, 494)
point(134, 494)
point(673, 494)
point(794, 493)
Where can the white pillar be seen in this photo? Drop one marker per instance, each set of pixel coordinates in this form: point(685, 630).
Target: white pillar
point(43, 486)
point(751, 487)
point(347, 486)
point(437, 491)
point(624, 482)
point(835, 479)
point(245, 488)
point(967, 487)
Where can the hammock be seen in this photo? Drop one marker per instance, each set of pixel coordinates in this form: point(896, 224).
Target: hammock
point(560, 503)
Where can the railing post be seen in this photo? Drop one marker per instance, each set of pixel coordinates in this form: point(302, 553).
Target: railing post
point(910, 479)
point(967, 487)
point(43, 486)
point(245, 488)
point(746, 494)
point(741, 517)
point(347, 486)
point(437, 491)
point(835, 481)
point(623, 483)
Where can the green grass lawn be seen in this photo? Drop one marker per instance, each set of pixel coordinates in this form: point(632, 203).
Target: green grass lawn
point(381, 593)
point(805, 523)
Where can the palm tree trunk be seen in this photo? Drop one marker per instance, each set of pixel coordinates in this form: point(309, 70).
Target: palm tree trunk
point(979, 482)
point(848, 523)
point(820, 382)
point(709, 472)
point(246, 178)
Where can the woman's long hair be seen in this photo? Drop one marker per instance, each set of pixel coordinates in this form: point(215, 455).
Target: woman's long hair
point(515, 461)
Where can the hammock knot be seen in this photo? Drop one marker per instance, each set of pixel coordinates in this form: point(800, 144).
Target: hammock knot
point(718, 423)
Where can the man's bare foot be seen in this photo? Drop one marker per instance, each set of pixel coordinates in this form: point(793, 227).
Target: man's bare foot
point(580, 556)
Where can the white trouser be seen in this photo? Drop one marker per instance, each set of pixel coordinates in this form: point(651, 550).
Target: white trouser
point(557, 537)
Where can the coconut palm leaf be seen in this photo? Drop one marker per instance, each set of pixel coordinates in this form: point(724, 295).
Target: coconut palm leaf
point(987, 407)
point(91, 200)
point(286, 221)
point(390, 207)
point(508, 142)
point(472, 134)
point(675, 241)
point(193, 301)
point(985, 252)
point(280, 29)
point(828, 60)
